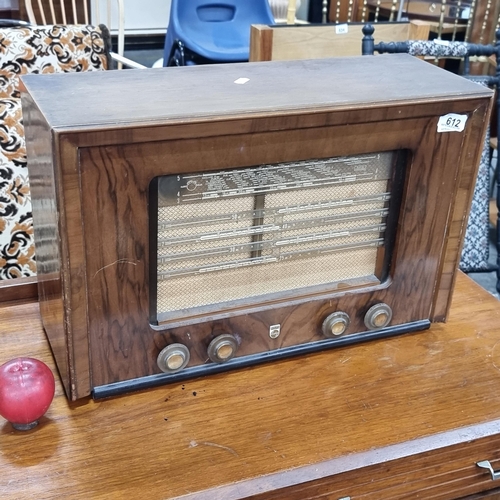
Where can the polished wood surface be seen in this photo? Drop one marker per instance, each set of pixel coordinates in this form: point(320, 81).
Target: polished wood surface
point(124, 346)
point(489, 495)
point(91, 167)
point(18, 288)
point(398, 418)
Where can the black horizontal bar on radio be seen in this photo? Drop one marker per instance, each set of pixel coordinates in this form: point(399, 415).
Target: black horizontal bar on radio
point(117, 388)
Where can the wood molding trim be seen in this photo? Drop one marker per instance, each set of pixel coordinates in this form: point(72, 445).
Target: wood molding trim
point(18, 289)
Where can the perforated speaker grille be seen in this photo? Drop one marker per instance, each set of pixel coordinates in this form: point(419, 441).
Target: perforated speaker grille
point(240, 235)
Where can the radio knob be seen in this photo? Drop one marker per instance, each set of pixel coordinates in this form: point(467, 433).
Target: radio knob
point(335, 324)
point(222, 348)
point(378, 316)
point(173, 358)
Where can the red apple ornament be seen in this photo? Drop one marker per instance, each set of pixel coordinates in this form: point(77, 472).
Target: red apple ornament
point(27, 388)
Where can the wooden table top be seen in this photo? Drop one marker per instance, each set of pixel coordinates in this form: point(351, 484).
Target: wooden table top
point(247, 432)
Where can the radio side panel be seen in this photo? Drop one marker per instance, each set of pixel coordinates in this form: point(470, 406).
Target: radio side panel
point(46, 192)
point(472, 147)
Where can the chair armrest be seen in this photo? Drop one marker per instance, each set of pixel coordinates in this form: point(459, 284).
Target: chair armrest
point(125, 61)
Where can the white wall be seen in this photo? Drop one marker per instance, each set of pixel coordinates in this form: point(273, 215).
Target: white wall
point(141, 16)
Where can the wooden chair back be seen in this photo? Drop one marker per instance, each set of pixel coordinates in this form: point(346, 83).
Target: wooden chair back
point(57, 11)
point(273, 43)
point(474, 21)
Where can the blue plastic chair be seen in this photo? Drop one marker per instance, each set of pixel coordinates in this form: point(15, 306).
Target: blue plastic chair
point(212, 31)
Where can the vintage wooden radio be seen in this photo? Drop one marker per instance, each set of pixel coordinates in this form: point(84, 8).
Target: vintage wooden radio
point(190, 221)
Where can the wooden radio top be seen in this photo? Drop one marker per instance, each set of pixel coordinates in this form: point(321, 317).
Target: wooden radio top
point(114, 99)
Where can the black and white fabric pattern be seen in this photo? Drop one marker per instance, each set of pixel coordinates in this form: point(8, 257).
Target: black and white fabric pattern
point(437, 48)
point(476, 251)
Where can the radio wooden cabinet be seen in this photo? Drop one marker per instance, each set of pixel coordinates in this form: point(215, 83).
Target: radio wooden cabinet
point(190, 221)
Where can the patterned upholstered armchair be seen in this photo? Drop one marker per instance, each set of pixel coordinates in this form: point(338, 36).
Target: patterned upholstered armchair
point(35, 49)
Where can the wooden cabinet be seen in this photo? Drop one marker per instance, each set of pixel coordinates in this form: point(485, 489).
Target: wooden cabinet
point(99, 143)
point(400, 418)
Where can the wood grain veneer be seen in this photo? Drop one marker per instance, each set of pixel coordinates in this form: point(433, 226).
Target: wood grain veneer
point(91, 165)
point(405, 417)
point(18, 289)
